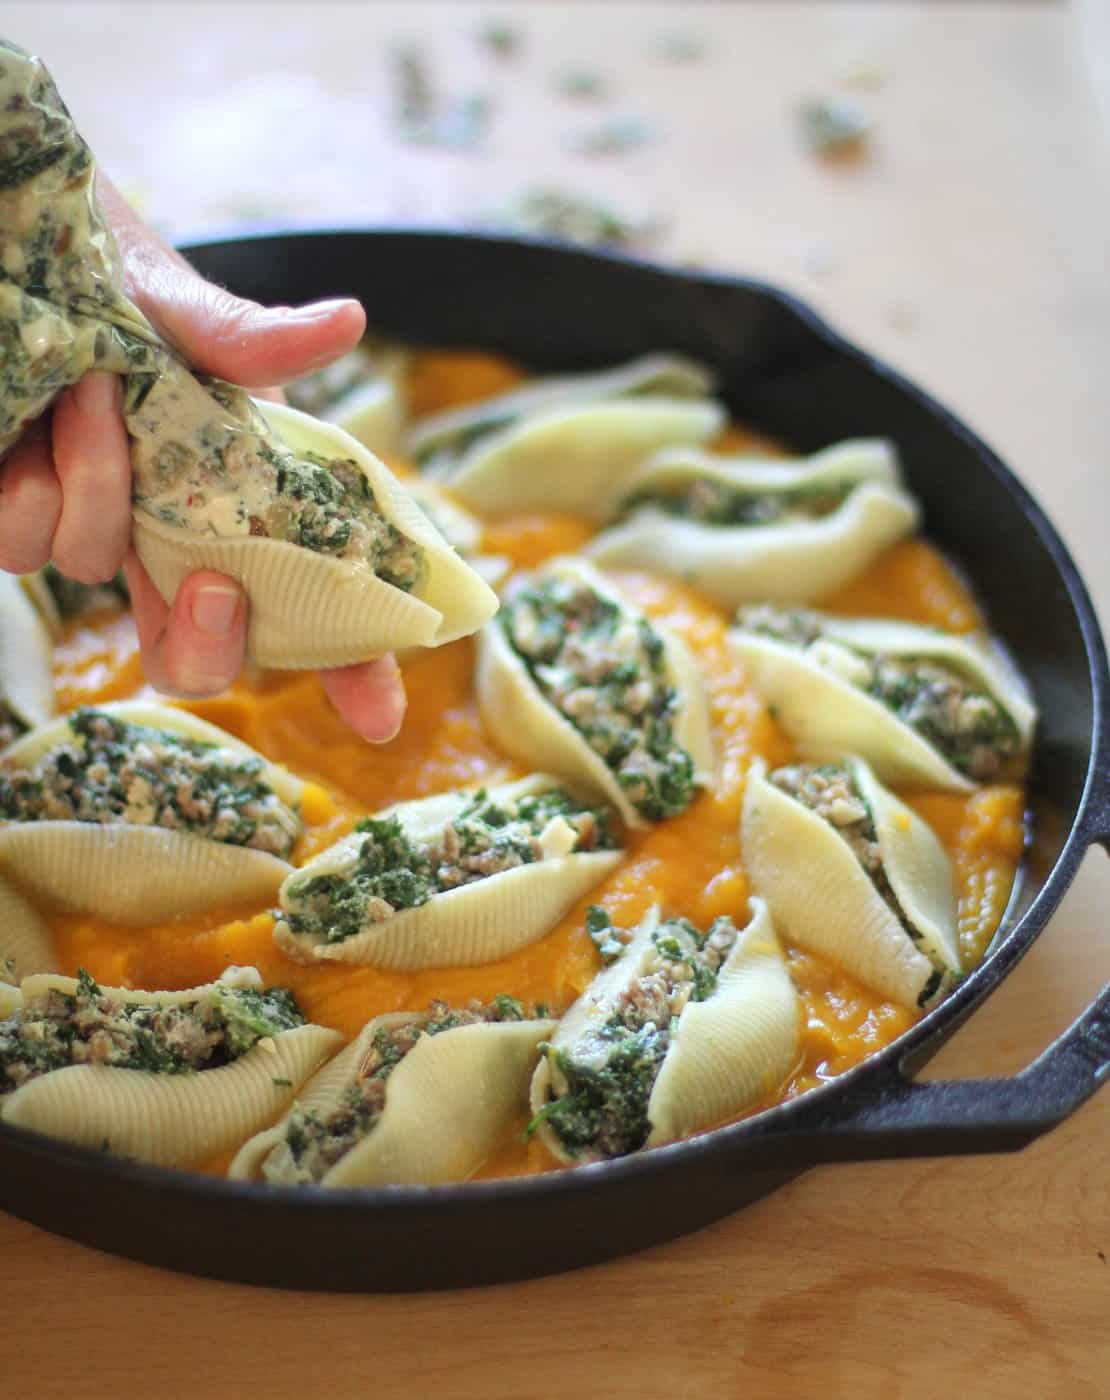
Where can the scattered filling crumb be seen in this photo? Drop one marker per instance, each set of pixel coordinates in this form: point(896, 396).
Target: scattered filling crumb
point(601, 1086)
point(968, 727)
point(387, 871)
point(314, 1142)
point(603, 668)
point(97, 1026)
point(114, 772)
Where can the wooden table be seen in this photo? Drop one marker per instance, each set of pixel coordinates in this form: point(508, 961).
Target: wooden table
point(970, 249)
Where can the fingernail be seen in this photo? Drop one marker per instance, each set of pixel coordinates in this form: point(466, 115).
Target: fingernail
point(319, 310)
point(214, 610)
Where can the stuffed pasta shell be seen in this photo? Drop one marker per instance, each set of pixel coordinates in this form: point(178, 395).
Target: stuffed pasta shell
point(576, 680)
point(923, 707)
point(363, 392)
point(26, 663)
point(682, 1031)
point(563, 442)
point(138, 812)
point(416, 1098)
point(742, 529)
point(461, 878)
point(855, 875)
point(170, 1078)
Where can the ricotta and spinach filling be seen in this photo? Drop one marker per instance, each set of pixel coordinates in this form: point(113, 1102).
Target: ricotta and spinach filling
point(967, 727)
point(317, 392)
point(96, 1026)
point(830, 791)
point(389, 871)
point(603, 1082)
point(604, 669)
point(313, 1143)
point(711, 501)
point(203, 456)
point(115, 772)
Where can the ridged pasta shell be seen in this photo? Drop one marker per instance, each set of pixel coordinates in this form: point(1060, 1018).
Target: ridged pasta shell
point(137, 874)
point(26, 655)
point(533, 731)
point(25, 943)
point(790, 562)
point(169, 1120)
point(447, 1103)
point(726, 1053)
point(308, 609)
point(476, 923)
point(450, 431)
point(823, 899)
point(826, 716)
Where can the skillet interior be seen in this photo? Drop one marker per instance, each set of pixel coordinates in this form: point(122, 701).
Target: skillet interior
point(784, 373)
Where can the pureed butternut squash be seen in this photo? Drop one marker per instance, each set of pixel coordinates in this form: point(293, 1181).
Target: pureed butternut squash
point(690, 865)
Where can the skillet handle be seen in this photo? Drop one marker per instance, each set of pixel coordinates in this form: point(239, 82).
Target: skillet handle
point(898, 1117)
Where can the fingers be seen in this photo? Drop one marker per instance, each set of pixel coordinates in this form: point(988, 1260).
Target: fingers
point(93, 465)
point(30, 503)
point(196, 647)
point(370, 697)
point(216, 331)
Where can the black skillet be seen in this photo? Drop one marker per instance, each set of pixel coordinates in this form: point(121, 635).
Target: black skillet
point(784, 372)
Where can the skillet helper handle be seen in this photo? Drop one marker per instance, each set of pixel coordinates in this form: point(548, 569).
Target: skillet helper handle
point(898, 1117)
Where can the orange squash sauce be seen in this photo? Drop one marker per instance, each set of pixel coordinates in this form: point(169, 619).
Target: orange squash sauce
point(691, 865)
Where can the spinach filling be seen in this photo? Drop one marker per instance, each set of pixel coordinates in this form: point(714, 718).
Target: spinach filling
point(603, 1083)
point(830, 791)
point(604, 669)
point(114, 771)
point(314, 1142)
point(388, 871)
point(967, 727)
point(713, 502)
point(72, 598)
point(96, 1026)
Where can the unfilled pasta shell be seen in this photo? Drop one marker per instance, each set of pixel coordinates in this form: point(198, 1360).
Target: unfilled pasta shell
point(789, 562)
point(170, 1120)
point(310, 610)
point(532, 730)
point(822, 898)
point(476, 923)
point(447, 1103)
point(25, 943)
point(826, 716)
point(449, 432)
point(26, 655)
point(137, 874)
point(727, 1053)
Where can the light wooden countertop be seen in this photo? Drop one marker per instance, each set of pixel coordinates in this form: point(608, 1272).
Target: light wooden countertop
point(971, 250)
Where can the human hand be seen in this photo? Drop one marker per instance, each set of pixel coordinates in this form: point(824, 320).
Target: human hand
point(65, 488)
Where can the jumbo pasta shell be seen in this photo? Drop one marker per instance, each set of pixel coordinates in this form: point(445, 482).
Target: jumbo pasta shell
point(26, 656)
point(310, 610)
point(565, 458)
point(532, 730)
point(170, 1120)
point(826, 716)
point(25, 943)
point(11, 999)
point(373, 414)
point(795, 561)
point(137, 874)
point(451, 431)
point(447, 1103)
point(476, 923)
point(726, 1054)
point(822, 898)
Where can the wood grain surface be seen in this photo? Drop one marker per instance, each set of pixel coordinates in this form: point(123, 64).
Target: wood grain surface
point(970, 248)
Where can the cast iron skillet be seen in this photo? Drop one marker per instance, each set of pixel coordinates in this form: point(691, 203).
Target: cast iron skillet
point(786, 373)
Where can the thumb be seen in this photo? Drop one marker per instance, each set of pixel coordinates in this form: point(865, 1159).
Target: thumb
point(218, 332)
